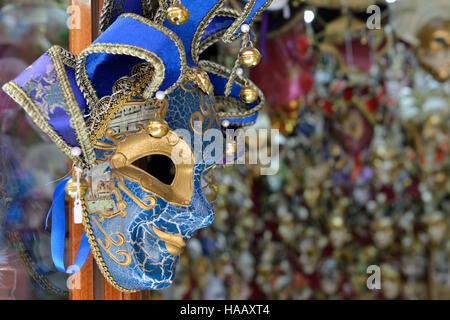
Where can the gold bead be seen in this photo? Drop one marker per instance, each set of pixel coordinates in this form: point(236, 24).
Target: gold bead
point(248, 94)
point(178, 14)
point(157, 129)
point(249, 57)
point(71, 187)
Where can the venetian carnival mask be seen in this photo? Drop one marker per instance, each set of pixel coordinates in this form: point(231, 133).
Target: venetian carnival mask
point(132, 111)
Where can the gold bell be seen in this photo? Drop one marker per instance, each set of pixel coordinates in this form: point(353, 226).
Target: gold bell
point(248, 94)
point(71, 187)
point(177, 14)
point(249, 57)
point(157, 129)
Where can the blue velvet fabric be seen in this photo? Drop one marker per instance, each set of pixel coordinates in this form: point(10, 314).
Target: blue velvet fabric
point(198, 10)
point(122, 6)
point(82, 104)
point(104, 69)
point(219, 23)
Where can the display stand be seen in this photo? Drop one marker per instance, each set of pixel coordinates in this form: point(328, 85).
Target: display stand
point(89, 284)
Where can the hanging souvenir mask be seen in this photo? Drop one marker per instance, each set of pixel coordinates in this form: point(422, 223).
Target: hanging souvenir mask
point(131, 113)
point(285, 76)
point(355, 47)
point(350, 112)
point(425, 25)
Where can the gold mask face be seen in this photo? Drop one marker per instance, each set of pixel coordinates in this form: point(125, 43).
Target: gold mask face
point(131, 149)
point(433, 51)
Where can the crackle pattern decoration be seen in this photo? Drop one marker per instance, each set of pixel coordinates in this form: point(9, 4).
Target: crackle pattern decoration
point(123, 216)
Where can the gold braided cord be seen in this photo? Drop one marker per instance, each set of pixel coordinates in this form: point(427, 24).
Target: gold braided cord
point(224, 72)
point(199, 47)
point(201, 30)
point(96, 251)
point(76, 118)
point(173, 36)
point(230, 35)
point(85, 83)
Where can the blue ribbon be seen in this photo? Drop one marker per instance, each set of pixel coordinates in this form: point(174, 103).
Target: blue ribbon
point(58, 236)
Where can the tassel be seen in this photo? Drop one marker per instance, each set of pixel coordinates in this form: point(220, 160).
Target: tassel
point(77, 211)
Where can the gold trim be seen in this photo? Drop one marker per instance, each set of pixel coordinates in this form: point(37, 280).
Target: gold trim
point(220, 70)
point(174, 37)
point(195, 53)
point(22, 98)
point(98, 124)
point(139, 202)
point(230, 35)
point(152, 58)
point(140, 144)
point(86, 85)
point(76, 118)
point(160, 15)
point(106, 245)
point(212, 39)
point(96, 251)
point(106, 15)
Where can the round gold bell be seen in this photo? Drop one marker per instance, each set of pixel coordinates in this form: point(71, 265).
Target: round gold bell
point(157, 129)
point(71, 187)
point(178, 14)
point(249, 57)
point(248, 94)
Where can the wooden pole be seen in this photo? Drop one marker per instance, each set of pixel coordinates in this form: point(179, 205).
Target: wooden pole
point(91, 284)
point(78, 40)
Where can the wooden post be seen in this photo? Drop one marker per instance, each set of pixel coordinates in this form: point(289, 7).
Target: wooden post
point(92, 285)
point(78, 40)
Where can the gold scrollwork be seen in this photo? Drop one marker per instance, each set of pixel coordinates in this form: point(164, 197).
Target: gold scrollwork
point(196, 117)
point(108, 241)
point(139, 202)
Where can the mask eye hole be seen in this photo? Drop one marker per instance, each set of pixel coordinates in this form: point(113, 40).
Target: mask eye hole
point(159, 166)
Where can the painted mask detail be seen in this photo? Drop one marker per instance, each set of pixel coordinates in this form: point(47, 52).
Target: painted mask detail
point(143, 206)
point(121, 111)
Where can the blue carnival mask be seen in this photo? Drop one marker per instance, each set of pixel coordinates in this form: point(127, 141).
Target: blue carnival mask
point(132, 111)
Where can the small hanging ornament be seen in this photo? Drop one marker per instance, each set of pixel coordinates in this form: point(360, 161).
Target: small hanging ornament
point(71, 187)
point(77, 188)
point(249, 56)
point(248, 94)
point(177, 13)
